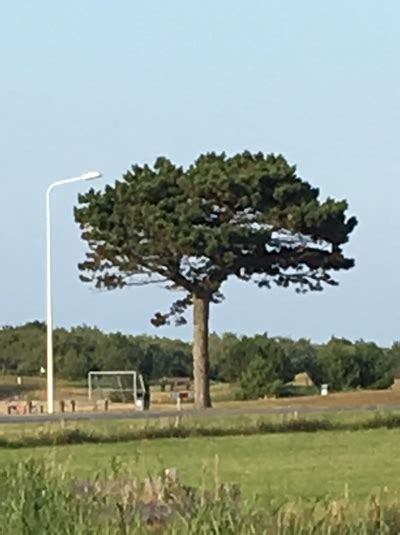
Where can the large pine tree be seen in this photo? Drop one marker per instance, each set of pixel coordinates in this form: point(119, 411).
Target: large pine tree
point(249, 216)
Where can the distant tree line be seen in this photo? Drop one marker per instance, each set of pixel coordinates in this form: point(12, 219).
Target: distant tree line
point(261, 365)
point(82, 349)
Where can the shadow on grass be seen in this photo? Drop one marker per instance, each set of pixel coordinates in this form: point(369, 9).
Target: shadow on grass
point(13, 391)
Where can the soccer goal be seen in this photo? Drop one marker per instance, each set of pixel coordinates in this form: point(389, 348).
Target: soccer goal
point(119, 386)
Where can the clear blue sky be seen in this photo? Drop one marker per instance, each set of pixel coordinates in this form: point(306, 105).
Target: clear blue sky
point(100, 84)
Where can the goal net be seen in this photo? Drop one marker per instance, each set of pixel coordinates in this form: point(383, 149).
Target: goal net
point(116, 386)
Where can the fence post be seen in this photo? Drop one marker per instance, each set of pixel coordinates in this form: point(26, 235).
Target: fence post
point(178, 408)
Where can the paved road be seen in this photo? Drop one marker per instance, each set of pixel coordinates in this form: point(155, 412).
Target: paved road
point(204, 413)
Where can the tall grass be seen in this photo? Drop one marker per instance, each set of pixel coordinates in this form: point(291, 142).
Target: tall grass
point(39, 498)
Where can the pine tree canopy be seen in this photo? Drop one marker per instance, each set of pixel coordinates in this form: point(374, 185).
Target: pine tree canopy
point(248, 216)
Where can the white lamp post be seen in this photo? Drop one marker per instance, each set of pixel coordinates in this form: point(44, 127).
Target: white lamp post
point(91, 175)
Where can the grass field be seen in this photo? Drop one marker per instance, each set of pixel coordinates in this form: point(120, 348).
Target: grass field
point(274, 467)
point(292, 482)
point(279, 466)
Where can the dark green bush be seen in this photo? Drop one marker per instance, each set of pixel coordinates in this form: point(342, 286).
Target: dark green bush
point(346, 365)
point(267, 370)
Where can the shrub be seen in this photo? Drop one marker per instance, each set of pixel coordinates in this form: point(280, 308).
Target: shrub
point(267, 371)
point(345, 365)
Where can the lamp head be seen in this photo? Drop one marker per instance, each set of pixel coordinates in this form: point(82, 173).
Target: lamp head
point(90, 175)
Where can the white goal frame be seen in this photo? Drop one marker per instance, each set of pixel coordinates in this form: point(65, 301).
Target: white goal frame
point(136, 377)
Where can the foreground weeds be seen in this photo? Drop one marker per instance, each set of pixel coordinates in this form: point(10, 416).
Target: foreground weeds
point(43, 499)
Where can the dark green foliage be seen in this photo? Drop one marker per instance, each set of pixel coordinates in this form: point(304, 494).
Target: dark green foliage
point(375, 365)
point(294, 391)
point(260, 360)
point(260, 379)
point(394, 355)
point(249, 215)
point(344, 365)
point(223, 365)
point(267, 369)
point(339, 364)
point(302, 355)
point(236, 356)
point(22, 351)
point(264, 365)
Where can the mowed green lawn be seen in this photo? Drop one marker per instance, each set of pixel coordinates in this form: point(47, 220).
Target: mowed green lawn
point(308, 465)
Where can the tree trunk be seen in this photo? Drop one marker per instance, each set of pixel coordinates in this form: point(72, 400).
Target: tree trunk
point(201, 365)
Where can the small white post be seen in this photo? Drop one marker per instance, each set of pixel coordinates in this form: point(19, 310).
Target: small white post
point(90, 386)
point(134, 387)
point(178, 407)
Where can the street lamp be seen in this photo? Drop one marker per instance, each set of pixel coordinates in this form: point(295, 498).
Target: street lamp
point(90, 175)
